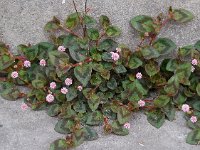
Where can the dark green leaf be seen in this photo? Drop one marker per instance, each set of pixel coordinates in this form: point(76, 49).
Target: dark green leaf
point(156, 118)
point(182, 15)
point(113, 31)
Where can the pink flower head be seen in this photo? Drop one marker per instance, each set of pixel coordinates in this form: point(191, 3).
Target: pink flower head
point(53, 85)
point(80, 88)
point(68, 81)
point(127, 125)
point(139, 75)
point(42, 62)
point(192, 69)
point(49, 98)
point(185, 108)
point(194, 62)
point(27, 64)
point(118, 50)
point(114, 56)
point(193, 119)
point(14, 74)
point(24, 106)
point(64, 90)
point(141, 103)
point(61, 48)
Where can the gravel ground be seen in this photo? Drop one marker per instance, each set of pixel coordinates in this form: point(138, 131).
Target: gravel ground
point(22, 21)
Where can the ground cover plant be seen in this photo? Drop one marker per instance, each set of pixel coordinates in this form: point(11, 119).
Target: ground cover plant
point(83, 77)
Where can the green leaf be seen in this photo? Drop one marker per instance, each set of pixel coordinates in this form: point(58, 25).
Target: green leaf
point(197, 45)
point(93, 101)
point(172, 65)
point(196, 105)
point(134, 62)
point(71, 94)
point(123, 115)
point(72, 20)
point(96, 79)
point(149, 52)
point(152, 68)
point(58, 59)
point(182, 15)
point(164, 46)
point(78, 137)
point(64, 126)
point(31, 52)
point(118, 129)
point(106, 56)
point(185, 51)
point(161, 101)
point(180, 98)
point(83, 73)
point(120, 69)
point(193, 137)
point(156, 118)
point(53, 110)
point(169, 111)
point(143, 23)
point(5, 62)
point(183, 73)
point(94, 118)
point(52, 25)
point(93, 34)
point(38, 84)
point(104, 21)
point(198, 89)
point(172, 86)
point(87, 20)
point(113, 31)
point(90, 134)
point(79, 107)
point(78, 54)
point(112, 84)
point(60, 144)
point(9, 91)
point(107, 45)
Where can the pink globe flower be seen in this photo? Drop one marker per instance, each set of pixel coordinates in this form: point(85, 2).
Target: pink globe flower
point(68, 81)
point(139, 75)
point(114, 56)
point(141, 103)
point(127, 125)
point(14, 74)
point(185, 108)
point(27, 64)
point(64, 90)
point(53, 85)
point(193, 119)
point(192, 69)
point(24, 106)
point(80, 88)
point(42, 62)
point(194, 62)
point(49, 98)
point(61, 48)
point(118, 50)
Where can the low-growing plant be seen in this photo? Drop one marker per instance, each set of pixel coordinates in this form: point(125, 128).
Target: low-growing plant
point(88, 79)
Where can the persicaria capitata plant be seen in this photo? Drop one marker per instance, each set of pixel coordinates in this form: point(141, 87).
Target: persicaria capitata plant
point(85, 78)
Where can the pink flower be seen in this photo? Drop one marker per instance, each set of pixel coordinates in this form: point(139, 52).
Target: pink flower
point(185, 108)
point(139, 75)
point(141, 103)
point(68, 81)
point(127, 125)
point(53, 85)
point(42, 62)
point(114, 56)
point(24, 106)
point(118, 50)
point(61, 48)
point(193, 119)
point(14, 74)
point(80, 88)
point(192, 69)
point(194, 62)
point(27, 64)
point(64, 90)
point(49, 98)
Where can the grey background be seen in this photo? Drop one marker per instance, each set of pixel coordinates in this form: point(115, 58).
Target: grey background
point(22, 21)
